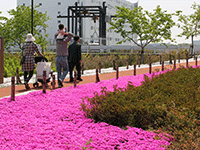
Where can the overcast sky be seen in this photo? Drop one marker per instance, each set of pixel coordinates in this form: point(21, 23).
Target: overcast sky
point(169, 5)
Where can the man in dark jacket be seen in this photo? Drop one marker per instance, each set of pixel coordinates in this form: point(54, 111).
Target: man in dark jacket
point(74, 58)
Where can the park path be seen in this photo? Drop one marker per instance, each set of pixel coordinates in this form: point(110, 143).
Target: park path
point(20, 89)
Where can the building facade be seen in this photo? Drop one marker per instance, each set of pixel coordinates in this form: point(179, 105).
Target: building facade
point(90, 30)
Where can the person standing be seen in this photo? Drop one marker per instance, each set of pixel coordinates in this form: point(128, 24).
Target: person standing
point(28, 66)
point(62, 54)
point(74, 58)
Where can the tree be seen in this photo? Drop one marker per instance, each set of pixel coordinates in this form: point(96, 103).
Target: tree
point(149, 27)
point(15, 29)
point(190, 24)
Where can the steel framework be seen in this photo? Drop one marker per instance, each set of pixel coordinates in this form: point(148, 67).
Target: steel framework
point(77, 13)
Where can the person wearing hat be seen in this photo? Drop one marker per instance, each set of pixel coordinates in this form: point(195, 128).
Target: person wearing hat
point(28, 66)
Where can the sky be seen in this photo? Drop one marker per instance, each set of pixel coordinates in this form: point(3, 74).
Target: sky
point(169, 5)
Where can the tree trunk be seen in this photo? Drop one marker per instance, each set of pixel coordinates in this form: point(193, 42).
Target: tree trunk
point(192, 46)
point(142, 55)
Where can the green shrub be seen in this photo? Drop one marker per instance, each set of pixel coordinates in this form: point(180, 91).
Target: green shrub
point(11, 63)
point(169, 102)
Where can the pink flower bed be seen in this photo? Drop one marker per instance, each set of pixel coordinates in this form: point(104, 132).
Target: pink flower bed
point(54, 121)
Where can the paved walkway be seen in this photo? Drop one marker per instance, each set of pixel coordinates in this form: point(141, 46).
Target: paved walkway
point(91, 78)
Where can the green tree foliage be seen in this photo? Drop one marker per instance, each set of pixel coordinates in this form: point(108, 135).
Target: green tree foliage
point(149, 27)
point(190, 24)
point(15, 29)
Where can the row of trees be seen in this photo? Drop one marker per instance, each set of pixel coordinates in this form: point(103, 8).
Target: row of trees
point(150, 27)
point(154, 27)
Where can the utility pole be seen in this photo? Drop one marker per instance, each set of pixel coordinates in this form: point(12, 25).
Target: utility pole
point(32, 17)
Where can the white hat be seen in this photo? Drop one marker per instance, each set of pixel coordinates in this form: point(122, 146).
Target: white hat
point(30, 38)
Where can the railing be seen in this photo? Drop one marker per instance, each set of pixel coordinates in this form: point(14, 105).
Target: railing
point(88, 47)
point(110, 48)
point(98, 70)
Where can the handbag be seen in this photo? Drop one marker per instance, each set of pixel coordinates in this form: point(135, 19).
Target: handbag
point(24, 57)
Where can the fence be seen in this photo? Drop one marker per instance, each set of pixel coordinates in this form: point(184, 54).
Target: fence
point(91, 61)
point(98, 70)
point(126, 48)
point(89, 48)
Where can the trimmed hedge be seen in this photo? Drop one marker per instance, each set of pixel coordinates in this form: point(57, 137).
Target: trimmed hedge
point(91, 61)
point(169, 102)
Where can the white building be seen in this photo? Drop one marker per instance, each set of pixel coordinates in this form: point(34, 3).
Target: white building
point(90, 30)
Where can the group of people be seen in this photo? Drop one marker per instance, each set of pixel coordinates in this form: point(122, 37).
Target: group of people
point(68, 55)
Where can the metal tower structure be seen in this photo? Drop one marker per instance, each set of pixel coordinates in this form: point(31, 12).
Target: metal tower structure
point(77, 13)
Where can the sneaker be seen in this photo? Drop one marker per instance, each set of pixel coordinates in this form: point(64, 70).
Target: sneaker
point(79, 79)
point(71, 80)
point(27, 86)
point(60, 83)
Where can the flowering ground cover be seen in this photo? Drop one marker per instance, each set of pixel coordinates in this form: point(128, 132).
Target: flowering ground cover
point(55, 121)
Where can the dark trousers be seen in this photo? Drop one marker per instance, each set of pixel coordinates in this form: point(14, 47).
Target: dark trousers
point(71, 68)
point(29, 74)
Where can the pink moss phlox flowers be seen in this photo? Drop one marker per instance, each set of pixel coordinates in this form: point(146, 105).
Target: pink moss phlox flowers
point(54, 121)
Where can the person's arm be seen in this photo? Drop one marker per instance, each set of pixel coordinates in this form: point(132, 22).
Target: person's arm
point(37, 50)
point(70, 35)
point(55, 36)
point(23, 47)
point(79, 53)
point(69, 50)
point(60, 31)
